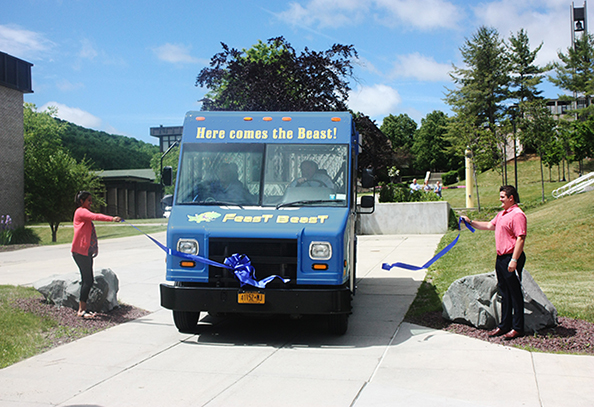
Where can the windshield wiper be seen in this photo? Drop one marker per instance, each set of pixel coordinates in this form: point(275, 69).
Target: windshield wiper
point(215, 203)
point(306, 201)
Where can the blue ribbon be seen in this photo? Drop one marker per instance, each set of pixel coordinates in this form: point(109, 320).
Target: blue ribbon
point(239, 263)
point(446, 249)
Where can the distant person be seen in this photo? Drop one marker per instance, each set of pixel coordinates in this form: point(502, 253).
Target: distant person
point(312, 176)
point(84, 246)
point(427, 187)
point(438, 188)
point(414, 186)
point(510, 235)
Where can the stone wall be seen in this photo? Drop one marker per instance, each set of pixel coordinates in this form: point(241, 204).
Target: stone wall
point(407, 218)
point(12, 178)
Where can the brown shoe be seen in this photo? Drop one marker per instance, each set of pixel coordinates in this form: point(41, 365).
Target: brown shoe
point(513, 334)
point(497, 332)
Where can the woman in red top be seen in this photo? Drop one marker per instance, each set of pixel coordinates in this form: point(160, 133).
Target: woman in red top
point(84, 245)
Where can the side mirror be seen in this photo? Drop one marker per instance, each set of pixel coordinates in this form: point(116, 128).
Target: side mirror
point(367, 178)
point(167, 176)
point(367, 201)
point(167, 200)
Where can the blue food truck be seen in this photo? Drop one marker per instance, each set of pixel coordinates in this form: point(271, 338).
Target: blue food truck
point(279, 188)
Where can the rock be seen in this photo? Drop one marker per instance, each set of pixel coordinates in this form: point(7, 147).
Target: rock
point(474, 300)
point(64, 290)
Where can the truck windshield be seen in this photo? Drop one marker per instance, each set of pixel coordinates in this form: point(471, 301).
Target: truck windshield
point(263, 174)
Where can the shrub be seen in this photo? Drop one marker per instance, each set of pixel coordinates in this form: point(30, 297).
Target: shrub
point(461, 173)
point(450, 177)
point(23, 235)
point(10, 235)
point(6, 230)
point(402, 193)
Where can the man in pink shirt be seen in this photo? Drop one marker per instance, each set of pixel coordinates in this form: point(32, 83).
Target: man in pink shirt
point(510, 234)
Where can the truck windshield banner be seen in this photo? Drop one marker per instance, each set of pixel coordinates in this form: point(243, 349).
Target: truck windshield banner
point(280, 133)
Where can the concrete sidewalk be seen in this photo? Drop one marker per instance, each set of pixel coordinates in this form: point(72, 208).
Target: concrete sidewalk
point(380, 361)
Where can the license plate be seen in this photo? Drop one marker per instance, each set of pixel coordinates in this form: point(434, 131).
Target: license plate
point(250, 297)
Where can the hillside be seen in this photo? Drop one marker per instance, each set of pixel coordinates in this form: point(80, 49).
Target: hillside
point(529, 184)
point(107, 151)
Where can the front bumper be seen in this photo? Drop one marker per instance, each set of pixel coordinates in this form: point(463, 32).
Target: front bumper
point(277, 301)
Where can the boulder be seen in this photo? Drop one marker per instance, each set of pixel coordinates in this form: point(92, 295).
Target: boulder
point(64, 290)
point(474, 300)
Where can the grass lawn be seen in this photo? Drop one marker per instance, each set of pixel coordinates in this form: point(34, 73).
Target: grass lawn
point(559, 247)
point(105, 230)
point(21, 333)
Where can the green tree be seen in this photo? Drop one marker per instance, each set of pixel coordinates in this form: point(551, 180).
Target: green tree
point(582, 139)
point(525, 76)
point(538, 130)
point(431, 145)
point(575, 71)
point(482, 86)
point(52, 176)
point(400, 130)
point(170, 160)
point(273, 77)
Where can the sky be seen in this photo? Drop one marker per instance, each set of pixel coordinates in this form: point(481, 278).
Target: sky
point(125, 66)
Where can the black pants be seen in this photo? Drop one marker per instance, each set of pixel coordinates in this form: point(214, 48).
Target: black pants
point(510, 288)
point(85, 265)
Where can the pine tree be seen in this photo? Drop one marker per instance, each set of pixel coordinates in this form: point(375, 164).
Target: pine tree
point(575, 72)
point(525, 75)
point(482, 86)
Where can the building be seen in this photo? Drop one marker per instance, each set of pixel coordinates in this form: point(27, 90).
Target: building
point(167, 135)
point(131, 194)
point(15, 81)
point(560, 107)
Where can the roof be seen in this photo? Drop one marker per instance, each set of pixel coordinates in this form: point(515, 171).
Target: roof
point(15, 73)
point(140, 175)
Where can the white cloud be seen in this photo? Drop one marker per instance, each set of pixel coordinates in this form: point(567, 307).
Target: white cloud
point(425, 15)
point(175, 54)
point(545, 22)
point(421, 67)
point(66, 86)
point(75, 115)
point(87, 51)
point(22, 43)
point(377, 100)
point(422, 14)
point(325, 13)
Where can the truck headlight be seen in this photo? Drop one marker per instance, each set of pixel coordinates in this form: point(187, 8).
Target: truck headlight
point(320, 250)
point(188, 246)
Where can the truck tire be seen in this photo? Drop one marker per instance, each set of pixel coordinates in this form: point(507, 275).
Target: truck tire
point(186, 321)
point(338, 323)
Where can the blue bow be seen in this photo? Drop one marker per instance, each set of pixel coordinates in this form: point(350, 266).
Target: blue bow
point(239, 263)
point(245, 272)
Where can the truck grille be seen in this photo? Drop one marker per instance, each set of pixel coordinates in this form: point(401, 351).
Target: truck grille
point(268, 256)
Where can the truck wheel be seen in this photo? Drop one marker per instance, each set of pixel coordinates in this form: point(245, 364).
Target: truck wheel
point(338, 323)
point(185, 321)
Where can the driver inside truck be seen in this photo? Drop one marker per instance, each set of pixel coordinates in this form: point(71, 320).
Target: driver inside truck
point(312, 176)
point(231, 189)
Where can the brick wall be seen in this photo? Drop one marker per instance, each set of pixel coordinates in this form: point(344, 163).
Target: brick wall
point(12, 184)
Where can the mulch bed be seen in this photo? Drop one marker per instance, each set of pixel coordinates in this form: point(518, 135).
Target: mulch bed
point(70, 326)
point(570, 336)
